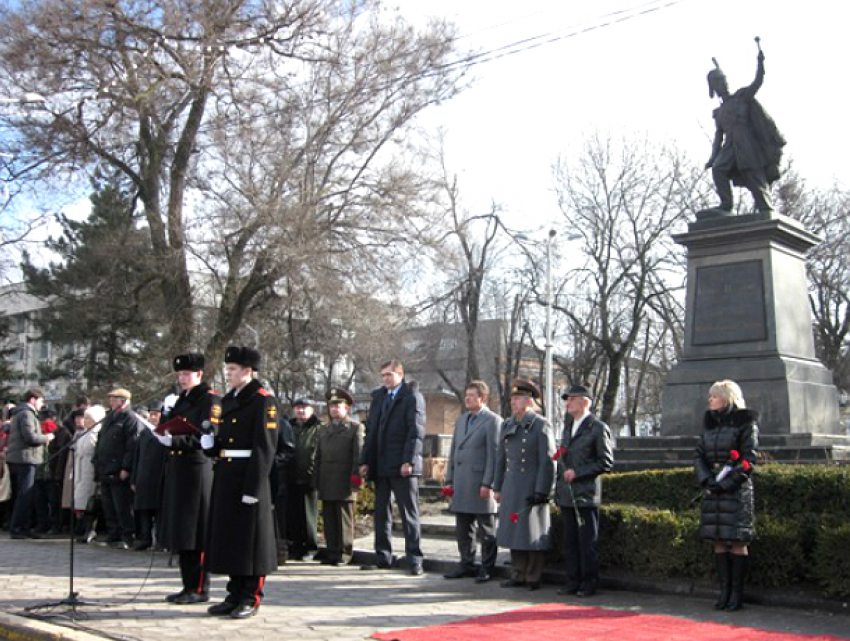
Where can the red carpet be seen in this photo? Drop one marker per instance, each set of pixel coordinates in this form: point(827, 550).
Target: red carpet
point(559, 622)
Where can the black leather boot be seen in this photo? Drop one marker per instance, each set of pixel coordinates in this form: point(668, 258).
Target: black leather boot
point(739, 568)
point(724, 575)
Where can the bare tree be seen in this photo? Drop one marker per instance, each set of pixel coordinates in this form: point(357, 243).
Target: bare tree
point(277, 113)
point(825, 212)
point(623, 200)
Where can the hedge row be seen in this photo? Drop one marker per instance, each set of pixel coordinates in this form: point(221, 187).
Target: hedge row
point(650, 523)
point(782, 491)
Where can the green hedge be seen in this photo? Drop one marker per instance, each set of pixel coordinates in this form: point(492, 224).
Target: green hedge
point(783, 491)
point(650, 526)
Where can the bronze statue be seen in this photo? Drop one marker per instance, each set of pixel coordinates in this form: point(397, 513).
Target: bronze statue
point(747, 146)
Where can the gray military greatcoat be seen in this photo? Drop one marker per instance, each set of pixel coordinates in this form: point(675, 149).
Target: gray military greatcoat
point(472, 462)
point(524, 467)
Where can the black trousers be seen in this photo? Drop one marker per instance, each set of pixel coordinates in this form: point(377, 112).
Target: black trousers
point(146, 521)
point(302, 519)
point(405, 489)
point(245, 589)
point(581, 547)
point(54, 500)
point(465, 534)
point(192, 572)
point(116, 497)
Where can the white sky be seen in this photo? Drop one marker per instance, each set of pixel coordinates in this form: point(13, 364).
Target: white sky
point(645, 76)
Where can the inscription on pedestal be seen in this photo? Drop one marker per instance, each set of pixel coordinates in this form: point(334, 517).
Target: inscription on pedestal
point(729, 305)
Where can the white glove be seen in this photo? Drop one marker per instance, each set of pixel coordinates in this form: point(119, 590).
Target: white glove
point(165, 439)
point(207, 441)
point(249, 500)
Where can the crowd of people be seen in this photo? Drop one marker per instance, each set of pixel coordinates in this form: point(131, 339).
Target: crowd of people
point(233, 487)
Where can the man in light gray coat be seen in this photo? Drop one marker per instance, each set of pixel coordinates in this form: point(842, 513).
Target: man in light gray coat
point(470, 475)
point(525, 473)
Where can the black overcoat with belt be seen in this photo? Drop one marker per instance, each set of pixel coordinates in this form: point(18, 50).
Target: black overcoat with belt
point(241, 539)
point(728, 511)
point(188, 475)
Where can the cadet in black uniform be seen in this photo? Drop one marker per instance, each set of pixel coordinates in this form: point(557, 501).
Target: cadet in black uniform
point(241, 540)
point(188, 478)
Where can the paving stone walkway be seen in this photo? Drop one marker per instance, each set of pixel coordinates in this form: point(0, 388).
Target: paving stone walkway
point(305, 600)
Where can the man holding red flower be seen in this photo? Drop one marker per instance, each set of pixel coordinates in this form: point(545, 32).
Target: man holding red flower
point(337, 477)
point(524, 476)
point(725, 455)
point(586, 453)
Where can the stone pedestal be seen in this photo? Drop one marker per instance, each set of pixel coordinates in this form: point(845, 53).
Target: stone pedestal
point(748, 319)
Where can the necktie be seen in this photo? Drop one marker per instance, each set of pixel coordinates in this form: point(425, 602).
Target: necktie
point(388, 401)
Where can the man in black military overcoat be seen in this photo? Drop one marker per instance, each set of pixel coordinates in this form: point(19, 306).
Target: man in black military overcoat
point(241, 540)
point(188, 478)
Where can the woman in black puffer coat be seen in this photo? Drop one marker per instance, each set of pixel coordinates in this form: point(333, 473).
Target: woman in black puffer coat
point(724, 462)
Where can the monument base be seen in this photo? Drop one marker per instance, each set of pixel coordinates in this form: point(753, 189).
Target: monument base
point(792, 396)
point(747, 318)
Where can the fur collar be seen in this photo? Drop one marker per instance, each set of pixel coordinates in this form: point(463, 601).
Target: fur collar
point(736, 418)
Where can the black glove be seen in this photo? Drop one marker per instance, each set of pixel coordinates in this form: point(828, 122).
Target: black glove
point(207, 428)
point(537, 499)
point(713, 486)
point(728, 483)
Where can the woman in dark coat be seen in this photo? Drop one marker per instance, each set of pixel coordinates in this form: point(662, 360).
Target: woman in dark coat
point(724, 462)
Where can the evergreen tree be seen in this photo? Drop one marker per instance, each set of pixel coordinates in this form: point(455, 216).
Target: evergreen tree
point(102, 297)
point(7, 374)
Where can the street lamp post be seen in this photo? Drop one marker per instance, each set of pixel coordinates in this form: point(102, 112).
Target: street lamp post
point(550, 392)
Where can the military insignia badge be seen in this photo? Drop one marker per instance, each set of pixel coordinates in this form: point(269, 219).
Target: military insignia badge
point(272, 412)
point(216, 411)
point(271, 425)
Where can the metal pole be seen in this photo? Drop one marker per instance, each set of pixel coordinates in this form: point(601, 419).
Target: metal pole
point(550, 396)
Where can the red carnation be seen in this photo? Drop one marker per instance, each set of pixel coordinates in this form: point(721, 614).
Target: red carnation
point(447, 491)
point(734, 455)
point(746, 465)
point(561, 452)
point(356, 481)
point(514, 517)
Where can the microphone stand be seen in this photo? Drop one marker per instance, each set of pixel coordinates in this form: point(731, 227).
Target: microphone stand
point(72, 601)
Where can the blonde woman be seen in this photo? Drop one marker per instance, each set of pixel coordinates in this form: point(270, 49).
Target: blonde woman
point(724, 463)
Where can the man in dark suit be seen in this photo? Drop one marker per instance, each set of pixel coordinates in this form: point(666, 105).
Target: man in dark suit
point(241, 538)
point(392, 458)
point(472, 467)
point(586, 452)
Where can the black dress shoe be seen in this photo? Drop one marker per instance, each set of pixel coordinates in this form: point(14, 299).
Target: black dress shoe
point(187, 598)
point(244, 610)
point(534, 585)
point(222, 609)
point(459, 573)
point(483, 576)
point(568, 590)
point(586, 592)
point(512, 583)
point(416, 569)
point(140, 546)
point(171, 598)
point(375, 566)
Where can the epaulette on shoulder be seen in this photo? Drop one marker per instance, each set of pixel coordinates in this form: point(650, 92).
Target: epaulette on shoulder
point(264, 392)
